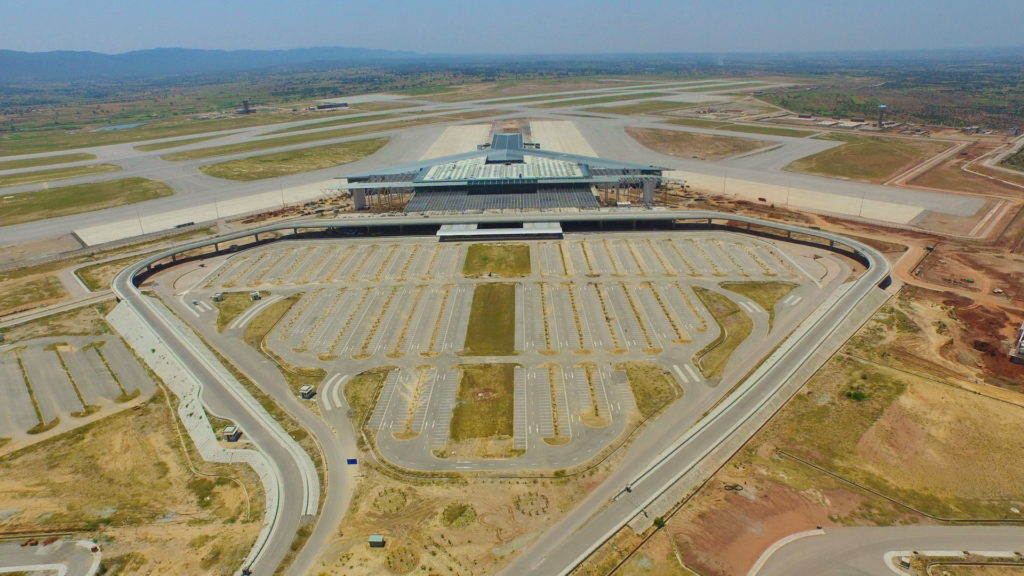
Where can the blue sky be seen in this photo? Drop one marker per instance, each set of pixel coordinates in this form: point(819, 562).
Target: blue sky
point(537, 26)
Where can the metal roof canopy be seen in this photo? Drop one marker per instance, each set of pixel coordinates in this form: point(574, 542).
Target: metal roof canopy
point(500, 153)
point(508, 141)
point(473, 230)
point(496, 182)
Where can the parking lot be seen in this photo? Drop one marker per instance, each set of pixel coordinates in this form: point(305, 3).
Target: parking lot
point(64, 379)
point(589, 303)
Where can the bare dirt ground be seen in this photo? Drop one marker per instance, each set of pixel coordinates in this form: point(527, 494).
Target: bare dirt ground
point(894, 412)
point(949, 174)
point(24, 252)
point(149, 510)
point(462, 526)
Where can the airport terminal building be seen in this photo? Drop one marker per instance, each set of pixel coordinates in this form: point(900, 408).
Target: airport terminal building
point(506, 174)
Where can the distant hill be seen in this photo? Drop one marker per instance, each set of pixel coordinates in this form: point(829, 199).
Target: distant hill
point(67, 66)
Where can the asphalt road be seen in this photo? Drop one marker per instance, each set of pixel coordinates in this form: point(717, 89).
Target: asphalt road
point(861, 551)
point(336, 442)
point(267, 437)
point(65, 557)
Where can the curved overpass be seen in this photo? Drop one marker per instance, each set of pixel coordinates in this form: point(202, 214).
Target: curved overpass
point(298, 489)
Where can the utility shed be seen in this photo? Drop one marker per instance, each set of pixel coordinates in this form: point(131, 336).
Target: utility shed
point(376, 541)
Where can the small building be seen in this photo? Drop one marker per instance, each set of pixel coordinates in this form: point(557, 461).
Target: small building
point(376, 541)
point(218, 296)
point(255, 295)
point(231, 433)
point(307, 391)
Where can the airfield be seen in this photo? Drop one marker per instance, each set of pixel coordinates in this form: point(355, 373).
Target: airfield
point(642, 355)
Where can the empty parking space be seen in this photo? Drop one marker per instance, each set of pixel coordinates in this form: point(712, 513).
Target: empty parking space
point(17, 414)
point(589, 302)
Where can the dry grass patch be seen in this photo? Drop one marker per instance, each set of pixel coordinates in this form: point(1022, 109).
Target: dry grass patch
point(361, 392)
point(484, 403)
point(867, 158)
point(231, 307)
point(961, 570)
point(21, 294)
point(68, 200)
point(734, 324)
point(145, 502)
point(764, 294)
point(37, 176)
point(176, 143)
point(653, 387)
point(45, 161)
point(84, 321)
point(506, 260)
point(255, 334)
point(649, 107)
point(492, 320)
point(293, 161)
point(301, 138)
point(693, 145)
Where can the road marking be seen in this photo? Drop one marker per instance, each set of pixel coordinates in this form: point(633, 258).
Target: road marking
point(692, 372)
point(191, 309)
point(325, 400)
point(680, 373)
point(339, 385)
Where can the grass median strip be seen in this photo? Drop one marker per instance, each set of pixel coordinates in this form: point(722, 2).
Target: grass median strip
point(492, 320)
point(337, 122)
point(692, 144)
point(301, 138)
point(649, 107)
point(294, 161)
point(600, 99)
point(653, 387)
point(867, 158)
point(37, 176)
point(506, 260)
point(484, 403)
point(176, 143)
point(734, 327)
point(45, 161)
point(68, 200)
point(764, 294)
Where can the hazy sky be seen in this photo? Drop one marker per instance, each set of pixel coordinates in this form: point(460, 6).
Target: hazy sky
point(487, 26)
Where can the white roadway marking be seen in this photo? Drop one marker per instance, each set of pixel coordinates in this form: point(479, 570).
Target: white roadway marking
point(692, 372)
point(339, 385)
point(251, 313)
point(325, 398)
point(680, 373)
point(188, 307)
